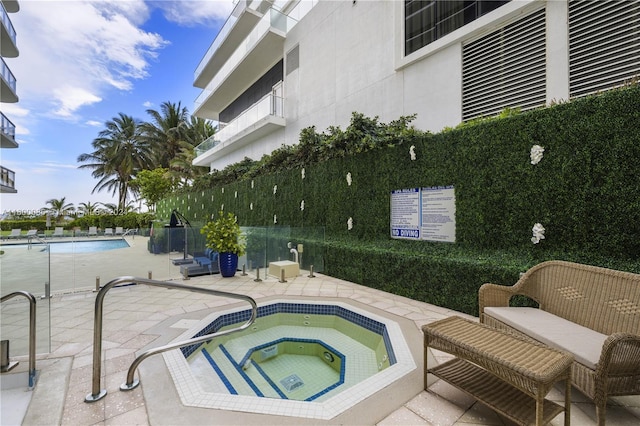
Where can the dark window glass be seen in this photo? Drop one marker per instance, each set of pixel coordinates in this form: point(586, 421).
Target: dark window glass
point(427, 21)
point(253, 94)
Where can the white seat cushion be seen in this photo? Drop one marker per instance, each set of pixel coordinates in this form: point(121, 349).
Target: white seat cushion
point(584, 343)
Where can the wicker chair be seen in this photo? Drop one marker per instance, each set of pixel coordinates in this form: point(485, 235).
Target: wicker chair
point(600, 299)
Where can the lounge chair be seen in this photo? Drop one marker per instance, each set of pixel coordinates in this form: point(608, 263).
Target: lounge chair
point(93, 231)
point(203, 259)
point(32, 233)
point(119, 230)
point(15, 233)
point(108, 232)
point(59, 232)
point(209, 260)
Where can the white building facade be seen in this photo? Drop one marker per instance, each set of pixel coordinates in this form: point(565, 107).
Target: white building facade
point(278, 67)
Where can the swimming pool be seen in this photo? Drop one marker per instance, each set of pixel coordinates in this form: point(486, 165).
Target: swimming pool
point(300, 358)
point(74, 246)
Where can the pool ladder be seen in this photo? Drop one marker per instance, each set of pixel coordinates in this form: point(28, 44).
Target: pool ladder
point(96, 392)
point(130, 231)
point(32, 333)
point(38, 239)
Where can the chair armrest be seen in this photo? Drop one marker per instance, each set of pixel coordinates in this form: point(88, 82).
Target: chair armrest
point(619, 356)
point(493, 295)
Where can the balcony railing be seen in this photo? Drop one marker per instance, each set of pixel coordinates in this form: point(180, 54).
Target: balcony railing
point(7, 23)
point(7, 127)
point(222, 35)
point(302, 8)
point(271, 20)
point(8, 76)
point(209, 143)
point(269, 105)
point(7, 178)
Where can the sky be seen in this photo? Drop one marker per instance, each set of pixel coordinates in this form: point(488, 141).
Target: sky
point(81, 63)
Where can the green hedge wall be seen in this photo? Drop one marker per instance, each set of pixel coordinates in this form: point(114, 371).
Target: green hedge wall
point(128, 220)
point(24, 224)
point(585, 192)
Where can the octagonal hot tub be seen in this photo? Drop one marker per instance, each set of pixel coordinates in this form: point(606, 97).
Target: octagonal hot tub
point(299, 358)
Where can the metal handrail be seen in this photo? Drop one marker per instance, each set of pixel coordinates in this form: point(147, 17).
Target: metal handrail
point(97, 393)
point(37, 238)
point(130, 231)
point(32, 331)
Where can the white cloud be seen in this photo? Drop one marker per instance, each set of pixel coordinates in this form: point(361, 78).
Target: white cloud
point(147, 104)
point(196, 12)
point(57, 166)
point(137, 11)
point(14, 110)
point(72, 98)
point(80, 50)
point(93, 123)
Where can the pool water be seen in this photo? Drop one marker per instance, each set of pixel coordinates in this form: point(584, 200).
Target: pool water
point(291, 368)
point(327, 356)
point(74, 246)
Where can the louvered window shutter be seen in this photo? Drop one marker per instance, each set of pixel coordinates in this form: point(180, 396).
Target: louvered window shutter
point(505, 68)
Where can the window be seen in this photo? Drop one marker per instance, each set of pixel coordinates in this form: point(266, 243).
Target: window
point(253, 94)
point(293, 59)
point(427, 21)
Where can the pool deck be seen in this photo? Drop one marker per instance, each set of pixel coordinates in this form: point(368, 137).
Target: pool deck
point(142, 317)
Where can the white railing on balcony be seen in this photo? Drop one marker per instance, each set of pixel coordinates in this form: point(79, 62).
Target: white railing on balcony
point(239, 8)
point(221, 36)
point(271, 20)
point(7, 177)
point(7, 127)
point(269, 105)
point(7, 75)
point(7, 23)
point(302, 8)
point(205, 146)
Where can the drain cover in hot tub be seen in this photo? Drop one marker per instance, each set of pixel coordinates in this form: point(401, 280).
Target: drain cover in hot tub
point(292, 382)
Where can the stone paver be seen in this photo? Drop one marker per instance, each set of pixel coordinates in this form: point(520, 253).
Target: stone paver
point(136, 316)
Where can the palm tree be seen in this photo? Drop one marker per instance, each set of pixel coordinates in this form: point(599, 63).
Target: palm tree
point(200, 130)
point(59, 208)
point(181, 168)
point(166, 130)
point(88, 208)
point(120, 151)
point(112, 208)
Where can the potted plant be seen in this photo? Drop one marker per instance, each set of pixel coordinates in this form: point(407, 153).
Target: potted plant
point(224, 236)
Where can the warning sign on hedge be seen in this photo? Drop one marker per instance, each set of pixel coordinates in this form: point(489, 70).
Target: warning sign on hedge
point(424, 214)
point(405, 213)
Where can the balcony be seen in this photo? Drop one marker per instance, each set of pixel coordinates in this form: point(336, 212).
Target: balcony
point(245, 15)
point(7, 84)
point(254, 56)
point(7, 181)
point(8, 45)
point(262, 118)
point(7, 133)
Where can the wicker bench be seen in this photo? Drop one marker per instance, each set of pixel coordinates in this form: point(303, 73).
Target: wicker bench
point(592, 312)
point(509, 374)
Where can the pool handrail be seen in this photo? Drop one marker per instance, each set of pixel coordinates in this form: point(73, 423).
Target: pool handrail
point(36, 237)
point(97, 393)
point(32, 330)
point(129, 231)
